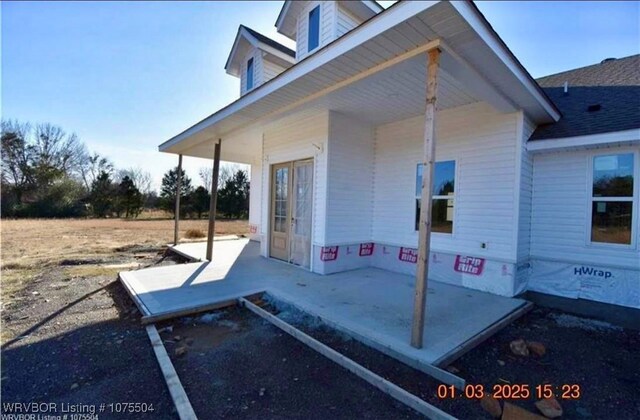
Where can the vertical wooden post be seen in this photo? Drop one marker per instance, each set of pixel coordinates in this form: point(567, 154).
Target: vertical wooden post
point(178, 193)
point(424, 237)
point(214, 199)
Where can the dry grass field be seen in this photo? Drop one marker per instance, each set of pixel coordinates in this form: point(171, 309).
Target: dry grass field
point(86, 247)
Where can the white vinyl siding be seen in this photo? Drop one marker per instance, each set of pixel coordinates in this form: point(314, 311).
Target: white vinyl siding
point(482, 142)
point(350, 181)
point(560, 223)
point(526, 190)
point(256, 54)
point(301, 136)
point(345, 21)
point(327, 32)
point(270, 70)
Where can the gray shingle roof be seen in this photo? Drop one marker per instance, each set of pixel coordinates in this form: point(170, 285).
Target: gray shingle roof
point(613, 85)
point(266, 40)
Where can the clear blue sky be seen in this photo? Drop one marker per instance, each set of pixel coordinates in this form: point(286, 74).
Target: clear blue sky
point(126, 76)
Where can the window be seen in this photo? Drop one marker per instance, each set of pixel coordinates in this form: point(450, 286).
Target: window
point(612, 199)
point(250, 74)
point(443, 196)
point(314, 29)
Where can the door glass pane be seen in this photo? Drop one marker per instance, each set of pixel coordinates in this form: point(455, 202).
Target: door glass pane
point(613, 175)
point(281, 199)
point(611, 222)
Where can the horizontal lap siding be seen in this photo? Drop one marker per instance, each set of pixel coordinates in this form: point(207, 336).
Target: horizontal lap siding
point(257, 70)
point(350, 181)
point(526, 193)
point(482, 142)
point(559, 222)
point(302, 136)
point(327, 11)
point(345, 21)
point(270, 70)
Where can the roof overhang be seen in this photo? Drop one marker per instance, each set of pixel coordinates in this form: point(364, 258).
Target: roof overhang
point(286, 22)
point(245, 40)
point(611, 139)
point(471, 53)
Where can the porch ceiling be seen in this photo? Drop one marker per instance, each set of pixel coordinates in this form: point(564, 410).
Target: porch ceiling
point(378, 71)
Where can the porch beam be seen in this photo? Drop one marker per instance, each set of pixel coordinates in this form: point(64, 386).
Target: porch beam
point(177, 209)
point(424, 235)
point(214, 199)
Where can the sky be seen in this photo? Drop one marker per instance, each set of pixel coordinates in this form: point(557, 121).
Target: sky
point(126, 76)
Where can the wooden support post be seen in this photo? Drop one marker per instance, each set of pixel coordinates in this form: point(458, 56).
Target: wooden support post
point(424, 237)
point(214, 199)
point(178, 193)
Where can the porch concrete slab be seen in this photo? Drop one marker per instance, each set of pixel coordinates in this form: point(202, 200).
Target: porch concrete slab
point(372, 303)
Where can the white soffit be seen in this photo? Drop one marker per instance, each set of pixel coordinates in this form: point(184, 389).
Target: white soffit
point(392, 35)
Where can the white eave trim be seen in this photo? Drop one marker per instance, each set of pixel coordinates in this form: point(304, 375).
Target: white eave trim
point(357, 36)
point(602, 139)
point(470, 13)
point(380, 23)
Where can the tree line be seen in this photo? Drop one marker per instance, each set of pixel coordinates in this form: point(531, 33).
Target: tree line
point(47, 172)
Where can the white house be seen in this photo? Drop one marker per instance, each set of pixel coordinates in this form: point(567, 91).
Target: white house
point(535, 182)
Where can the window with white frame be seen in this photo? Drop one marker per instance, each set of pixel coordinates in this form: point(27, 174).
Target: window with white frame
point(612, 199)
point(443, 196)
point(314, 29)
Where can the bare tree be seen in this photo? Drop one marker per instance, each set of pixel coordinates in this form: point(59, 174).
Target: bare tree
point(141, 179)
point(92, 165)
point(227, 170)
point(15, 155)
point(54, 150)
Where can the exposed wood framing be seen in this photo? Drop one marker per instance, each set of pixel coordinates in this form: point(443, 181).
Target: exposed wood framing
point(377, 381)
point(424, 236)
point(178, 193)
point(214, 199)
point(178, 395)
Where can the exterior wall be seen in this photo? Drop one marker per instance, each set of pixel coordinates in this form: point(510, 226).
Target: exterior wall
point(482, 142)
point(256, 54)
point(349, 181)
point(327, 25)
point(561, 188)
point(345, 21)
point(270, 70)
point(255, 200)
point(563, 261)
point(300, 136)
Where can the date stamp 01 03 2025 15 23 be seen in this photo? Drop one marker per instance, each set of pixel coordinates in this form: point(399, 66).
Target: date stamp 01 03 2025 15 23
point(511, 391)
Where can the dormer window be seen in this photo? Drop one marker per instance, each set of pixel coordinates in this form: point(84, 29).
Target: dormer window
point(250, 74)
point(314, 28)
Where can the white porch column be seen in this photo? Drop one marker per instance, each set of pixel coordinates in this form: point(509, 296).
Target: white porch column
point(424, 237)
point(214, 199)
point(178, 193)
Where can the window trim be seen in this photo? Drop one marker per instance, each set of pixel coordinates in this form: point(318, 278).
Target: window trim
point(250, 63)
point(440, 197)
point(311, 9)
point(633, 200)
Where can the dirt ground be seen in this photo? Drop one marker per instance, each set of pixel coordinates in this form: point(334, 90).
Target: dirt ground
point(86, 247)
point(70, 334)
point(600, 358)
point(239, 366)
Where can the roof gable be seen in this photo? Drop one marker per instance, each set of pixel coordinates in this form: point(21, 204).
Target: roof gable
point(287, 19)
point(600, 98)
point(247, 38)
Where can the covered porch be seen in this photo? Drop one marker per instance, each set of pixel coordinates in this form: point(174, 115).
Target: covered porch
point(372, 305)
